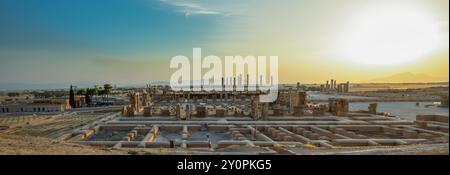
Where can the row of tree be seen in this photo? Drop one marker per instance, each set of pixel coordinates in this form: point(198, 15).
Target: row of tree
point(13, 94)
point(89, 93)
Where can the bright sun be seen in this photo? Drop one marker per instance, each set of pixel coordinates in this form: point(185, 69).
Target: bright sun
point(388, 36)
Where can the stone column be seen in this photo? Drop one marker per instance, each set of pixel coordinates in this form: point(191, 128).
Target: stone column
point(373, 108)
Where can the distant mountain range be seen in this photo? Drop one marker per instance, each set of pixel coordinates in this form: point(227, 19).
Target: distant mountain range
point(408, 77)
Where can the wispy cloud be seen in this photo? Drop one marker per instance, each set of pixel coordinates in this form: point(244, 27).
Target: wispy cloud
point(189, 8)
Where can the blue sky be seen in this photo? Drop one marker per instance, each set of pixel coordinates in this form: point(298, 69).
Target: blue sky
point(112, 27)
point(55, 41)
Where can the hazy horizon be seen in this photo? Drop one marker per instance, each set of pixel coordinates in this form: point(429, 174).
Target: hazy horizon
point(84, 85)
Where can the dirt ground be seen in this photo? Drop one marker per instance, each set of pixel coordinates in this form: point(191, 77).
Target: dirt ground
point(29, 145)
point(31, 135)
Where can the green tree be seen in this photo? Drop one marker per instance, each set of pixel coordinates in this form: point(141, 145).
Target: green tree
point(89, 93)
point(101, 92)
point(107, 88)
point(13, 94)
point(81, 92)
point(95, 91)
point(71, 97)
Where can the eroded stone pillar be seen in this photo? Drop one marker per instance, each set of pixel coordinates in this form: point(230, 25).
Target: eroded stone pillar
point(373, 108)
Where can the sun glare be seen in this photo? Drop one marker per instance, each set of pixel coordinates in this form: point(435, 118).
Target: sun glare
point(389, 36)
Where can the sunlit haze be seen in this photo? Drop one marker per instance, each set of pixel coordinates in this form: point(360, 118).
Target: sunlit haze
point(132, 42)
